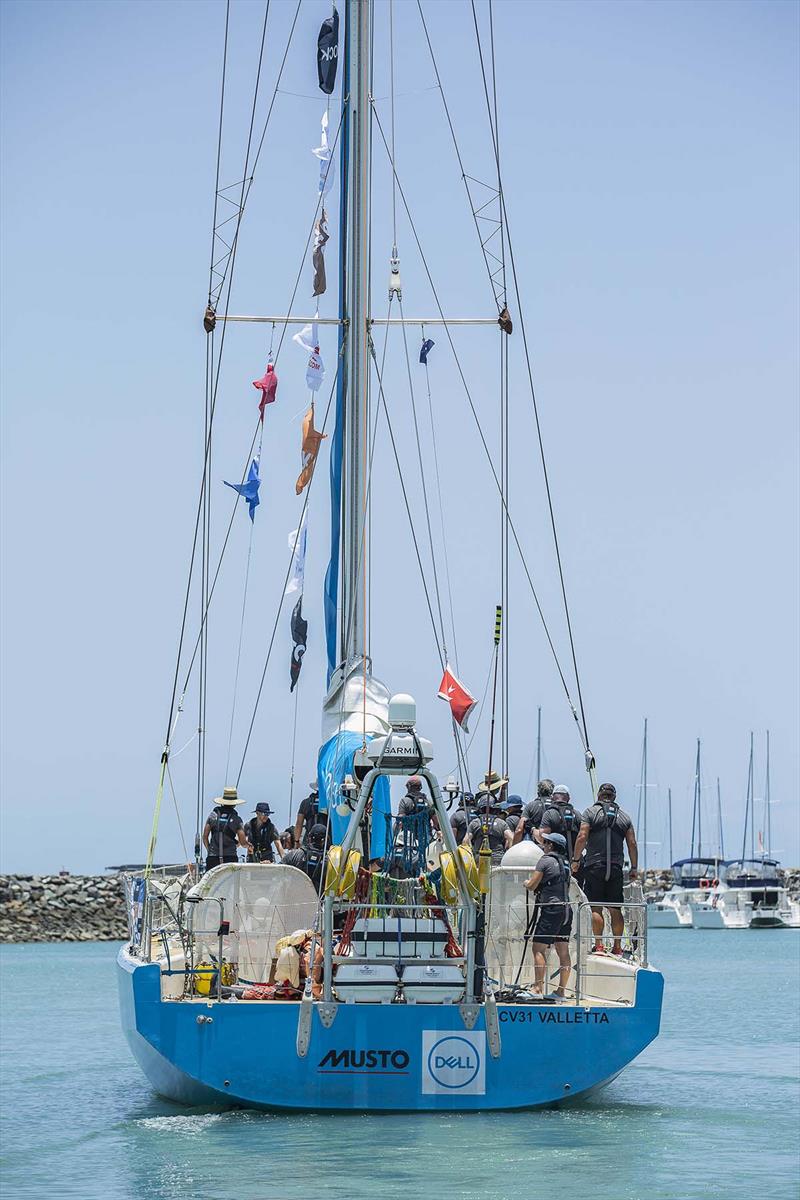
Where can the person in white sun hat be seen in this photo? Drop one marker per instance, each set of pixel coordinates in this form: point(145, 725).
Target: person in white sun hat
point(224, 829)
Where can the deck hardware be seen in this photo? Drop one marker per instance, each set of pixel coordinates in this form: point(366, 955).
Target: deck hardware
point(327, 1013)
point(469, 1014)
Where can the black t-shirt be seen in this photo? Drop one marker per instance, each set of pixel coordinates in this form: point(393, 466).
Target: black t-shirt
point(497, 838)
point(295, 858)
point(557, 818)
point(262, 838)
point(225, 823)
point(308, 810)
point(597, 843)
point(554, 887)
point(458, 824)
point(512, 821)
point(532, 814)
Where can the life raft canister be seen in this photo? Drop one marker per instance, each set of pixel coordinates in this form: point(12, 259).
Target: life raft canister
point(341, 881)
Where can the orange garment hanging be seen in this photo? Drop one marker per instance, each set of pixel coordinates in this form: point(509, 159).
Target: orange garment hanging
point(310, 450)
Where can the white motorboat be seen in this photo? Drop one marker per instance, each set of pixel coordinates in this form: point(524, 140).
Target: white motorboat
point(748, 895)
point(694, 880)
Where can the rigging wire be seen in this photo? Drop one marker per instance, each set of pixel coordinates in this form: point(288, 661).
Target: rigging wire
point(507, 235)
point(487, 452)
point(219, 147)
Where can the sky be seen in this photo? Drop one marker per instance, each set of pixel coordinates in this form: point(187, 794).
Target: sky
point(650, 165)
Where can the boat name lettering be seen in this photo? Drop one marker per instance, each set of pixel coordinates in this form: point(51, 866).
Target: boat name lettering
point(355, 1060)
point(576, 1016)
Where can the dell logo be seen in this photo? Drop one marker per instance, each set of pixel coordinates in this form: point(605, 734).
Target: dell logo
point(453, 1062)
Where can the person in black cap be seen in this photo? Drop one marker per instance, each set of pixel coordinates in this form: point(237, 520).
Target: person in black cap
point(308, 815)
point(606, 830)
point(262, 835)
point(550, 882)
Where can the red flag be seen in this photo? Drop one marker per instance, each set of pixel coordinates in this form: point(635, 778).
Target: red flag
point(460, 701)
point(268, 386)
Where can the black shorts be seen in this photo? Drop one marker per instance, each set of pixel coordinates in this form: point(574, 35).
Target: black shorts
point(214, 860)
point(553, 924)
point(600, 890)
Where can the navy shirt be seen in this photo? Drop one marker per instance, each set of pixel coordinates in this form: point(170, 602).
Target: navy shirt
point(597, 842)
point(225, 823)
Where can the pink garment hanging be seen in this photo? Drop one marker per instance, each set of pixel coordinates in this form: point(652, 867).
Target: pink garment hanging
point(268, 386)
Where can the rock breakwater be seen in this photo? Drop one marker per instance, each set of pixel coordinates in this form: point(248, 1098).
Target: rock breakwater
point(62, 908)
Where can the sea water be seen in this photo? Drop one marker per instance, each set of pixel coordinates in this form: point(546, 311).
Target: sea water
point(710, 1109)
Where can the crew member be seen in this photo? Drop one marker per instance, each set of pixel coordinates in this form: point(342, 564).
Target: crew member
point(223, 830)
point(512, 812)
point(461, 818)
point(287, 839)
point(605, 831)
point(493, 825)
point(560, 817)
point(533, 811)
point(415, 827)
point(262, 836)
point(550, 882)
point(308, 814)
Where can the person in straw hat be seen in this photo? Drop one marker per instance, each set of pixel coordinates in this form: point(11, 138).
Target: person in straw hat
point(489, 806)
point(224, 829)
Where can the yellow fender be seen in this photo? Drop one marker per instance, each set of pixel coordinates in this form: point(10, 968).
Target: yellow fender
point(470, 870)
point(341, 881)
point(449, 888)
point(204, 976)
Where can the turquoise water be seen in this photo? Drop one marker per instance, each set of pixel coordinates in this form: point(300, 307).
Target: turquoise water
point(711, 1109)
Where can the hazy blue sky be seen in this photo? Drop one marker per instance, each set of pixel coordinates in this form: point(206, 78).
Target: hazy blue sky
point(651, 168)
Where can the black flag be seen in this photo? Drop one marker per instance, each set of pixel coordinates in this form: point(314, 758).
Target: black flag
point(328, 53)
point(299, 635)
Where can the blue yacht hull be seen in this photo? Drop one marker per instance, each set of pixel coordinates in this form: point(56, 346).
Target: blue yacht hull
point(377, 1057)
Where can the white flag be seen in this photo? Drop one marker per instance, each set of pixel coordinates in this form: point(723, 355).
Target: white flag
point(297, 544)
point(308, 338)
point(327, 168)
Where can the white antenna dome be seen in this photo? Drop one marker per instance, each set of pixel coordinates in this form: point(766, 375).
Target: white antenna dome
point(402, 711)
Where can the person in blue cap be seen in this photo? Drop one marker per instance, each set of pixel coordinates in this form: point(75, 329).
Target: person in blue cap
point(512, 812)
point(262, 835)
point(550, 883)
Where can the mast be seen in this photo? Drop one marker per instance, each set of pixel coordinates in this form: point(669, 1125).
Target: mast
point(696, 814)
point(539, 745)
point(748, 806)
point(354, 306)
point(644, 796)
point(669, 820)
point(720, 835)
point(767, 814)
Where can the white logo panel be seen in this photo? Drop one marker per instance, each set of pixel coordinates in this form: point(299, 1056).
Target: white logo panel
point(453, 1064)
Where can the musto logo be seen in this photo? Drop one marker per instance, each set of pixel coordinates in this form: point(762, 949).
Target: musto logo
point(453, 1063)
point(364, 1062)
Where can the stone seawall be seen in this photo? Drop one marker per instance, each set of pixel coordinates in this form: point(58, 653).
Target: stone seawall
point(90, 908)
point(62, 908)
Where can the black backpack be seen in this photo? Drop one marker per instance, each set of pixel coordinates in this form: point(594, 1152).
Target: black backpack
point(611, 811)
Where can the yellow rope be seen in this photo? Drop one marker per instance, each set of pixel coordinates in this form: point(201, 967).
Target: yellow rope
point(151, 849)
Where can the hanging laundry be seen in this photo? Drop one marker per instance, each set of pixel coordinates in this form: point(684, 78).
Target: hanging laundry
point(268, 386)
point(297, 544)
point(310, 450)
point(460, 701)
point(427, 346)
point(308, 338)
point(328, 53)
point(318, 255)
point(249, 489)
point(299, 627)
point(327, 168)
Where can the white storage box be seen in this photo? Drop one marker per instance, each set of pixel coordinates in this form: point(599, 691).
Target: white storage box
point(434, 984)
point(366, 983)
point(399, 937)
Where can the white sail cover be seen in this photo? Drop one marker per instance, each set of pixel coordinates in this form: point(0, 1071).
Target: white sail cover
point(263, 902)
point(355, 703)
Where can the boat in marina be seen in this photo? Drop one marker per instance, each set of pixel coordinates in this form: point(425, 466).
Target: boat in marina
point(400, 975)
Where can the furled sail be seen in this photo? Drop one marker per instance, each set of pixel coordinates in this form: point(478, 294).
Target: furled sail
point(356, 709)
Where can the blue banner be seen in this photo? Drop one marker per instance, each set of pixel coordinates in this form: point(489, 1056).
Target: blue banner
point(334, 762)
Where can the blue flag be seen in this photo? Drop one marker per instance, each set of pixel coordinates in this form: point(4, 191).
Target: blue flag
point(427, 346)
point(249, 489)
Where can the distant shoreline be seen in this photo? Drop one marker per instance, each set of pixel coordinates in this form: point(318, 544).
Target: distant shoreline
point(91, 908)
